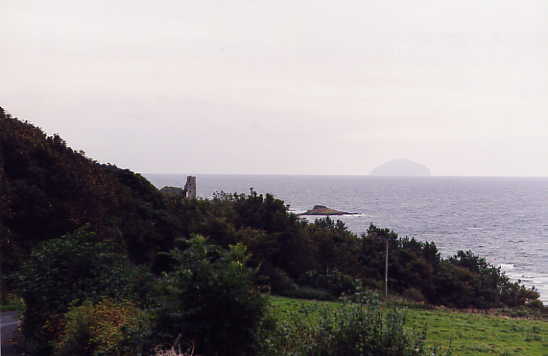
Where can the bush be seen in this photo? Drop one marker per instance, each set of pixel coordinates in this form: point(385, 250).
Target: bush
point(70, 269)
point(280, 281)
point(210, 300)
point(360, 330)
point(12, 302)
point(308, 293)
point(335, 282)
point(105, 328)
point(344, 329)
point(467, 280)
point(536, 304)
point(413, 294)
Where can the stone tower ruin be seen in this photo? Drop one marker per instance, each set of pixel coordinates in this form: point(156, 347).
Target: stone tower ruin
point(190, 188)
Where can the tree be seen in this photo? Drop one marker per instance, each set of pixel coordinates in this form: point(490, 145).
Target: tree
point(210, 299)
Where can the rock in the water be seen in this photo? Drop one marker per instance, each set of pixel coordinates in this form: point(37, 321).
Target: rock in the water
point(401, 168)
point(324, 210)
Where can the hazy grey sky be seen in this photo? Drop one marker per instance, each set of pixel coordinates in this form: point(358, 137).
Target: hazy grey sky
point(291, 87)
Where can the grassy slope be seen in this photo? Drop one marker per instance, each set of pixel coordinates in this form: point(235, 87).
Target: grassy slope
point(476, 334)
point(469, 334)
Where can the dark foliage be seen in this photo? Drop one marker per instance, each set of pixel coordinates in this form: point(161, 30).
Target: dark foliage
point(412, 263)
point(462, 281)
point(48, 189)
point(211, 300)
point(335, 282)
point(66, 272)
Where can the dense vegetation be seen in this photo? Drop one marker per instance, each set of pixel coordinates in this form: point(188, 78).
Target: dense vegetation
point(97, 252)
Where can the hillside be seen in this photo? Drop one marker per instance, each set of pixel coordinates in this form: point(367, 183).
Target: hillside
point(47, 189)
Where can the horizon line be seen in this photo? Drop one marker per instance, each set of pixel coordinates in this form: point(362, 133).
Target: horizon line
point(336, 175)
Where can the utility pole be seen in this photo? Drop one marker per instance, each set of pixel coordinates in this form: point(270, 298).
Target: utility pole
point(386, 270)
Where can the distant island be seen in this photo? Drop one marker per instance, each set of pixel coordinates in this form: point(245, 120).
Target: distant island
point(324, 210)
point(401, 168)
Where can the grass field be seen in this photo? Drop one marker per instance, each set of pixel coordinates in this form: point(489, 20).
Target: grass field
point(468, 334)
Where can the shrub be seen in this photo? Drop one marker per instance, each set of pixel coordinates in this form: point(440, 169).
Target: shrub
point(280, 281)
point(335, 282)
point(285, 334)
point(467, 280)
point(308, 293)
point(345, 329)
point(12, 302)
point(105, 328)
point(210, 299)
point(413, 294)
point(536, 304)
point(360, 330)
point(70, 269)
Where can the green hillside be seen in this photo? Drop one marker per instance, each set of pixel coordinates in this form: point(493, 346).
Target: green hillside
point(47, 189)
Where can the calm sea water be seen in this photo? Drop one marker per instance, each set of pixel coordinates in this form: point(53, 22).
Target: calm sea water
point(504, 220)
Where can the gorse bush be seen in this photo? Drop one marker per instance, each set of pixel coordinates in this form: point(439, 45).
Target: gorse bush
point(104, 328)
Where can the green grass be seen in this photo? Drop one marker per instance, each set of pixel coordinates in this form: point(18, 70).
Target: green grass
point(11, 307)
point(477, 334)
point(12, 303)
point(468, 334)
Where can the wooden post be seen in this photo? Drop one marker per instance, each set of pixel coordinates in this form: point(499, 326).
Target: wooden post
point(386, 270)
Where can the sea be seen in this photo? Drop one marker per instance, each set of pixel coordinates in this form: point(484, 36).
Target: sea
point(504, 220)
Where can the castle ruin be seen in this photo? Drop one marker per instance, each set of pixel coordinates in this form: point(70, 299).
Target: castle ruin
point(190, 188)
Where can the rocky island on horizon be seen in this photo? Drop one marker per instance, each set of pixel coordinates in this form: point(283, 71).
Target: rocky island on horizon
point(401, 168)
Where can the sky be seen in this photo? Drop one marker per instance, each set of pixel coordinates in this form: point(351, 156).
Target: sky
point(284, 87)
